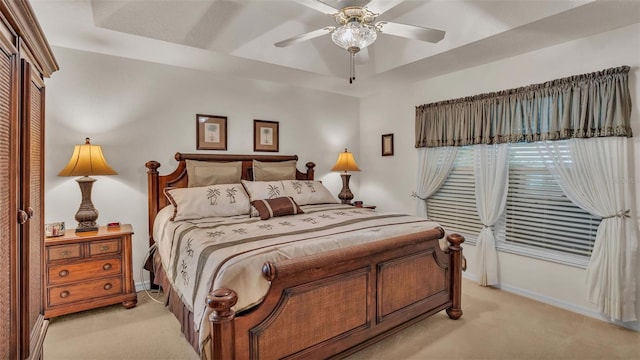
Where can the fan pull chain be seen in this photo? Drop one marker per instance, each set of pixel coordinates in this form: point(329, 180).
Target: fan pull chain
point(352, 64)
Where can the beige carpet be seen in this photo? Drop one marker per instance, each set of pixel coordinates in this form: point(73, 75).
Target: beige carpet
point(495, 325)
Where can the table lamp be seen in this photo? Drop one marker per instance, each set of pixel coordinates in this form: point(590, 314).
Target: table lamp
point(345, 163)
point(87, 160)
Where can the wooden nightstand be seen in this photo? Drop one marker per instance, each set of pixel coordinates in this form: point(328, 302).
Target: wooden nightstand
point(88, 270)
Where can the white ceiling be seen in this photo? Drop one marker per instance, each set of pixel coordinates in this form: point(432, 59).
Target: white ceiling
point(234, 38)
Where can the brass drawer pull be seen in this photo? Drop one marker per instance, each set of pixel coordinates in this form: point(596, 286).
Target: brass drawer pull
point(65, 253)
point(63, 273)
point(64, 294)
point(106, 266)
point(107, 286)
point(104, 248)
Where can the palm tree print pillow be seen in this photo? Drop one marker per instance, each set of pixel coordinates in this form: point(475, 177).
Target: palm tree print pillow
point(259, 190)
point(306, 192)
point(208, 201)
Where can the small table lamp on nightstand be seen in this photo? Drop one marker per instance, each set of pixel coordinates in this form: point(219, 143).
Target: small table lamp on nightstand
point(87, 160)
point(345, 163)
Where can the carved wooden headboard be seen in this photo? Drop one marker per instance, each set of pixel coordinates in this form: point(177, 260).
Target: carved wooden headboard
point(178, 177)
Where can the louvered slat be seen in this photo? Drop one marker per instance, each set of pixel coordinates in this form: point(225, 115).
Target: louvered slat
point(538, 214)
point(454, 204)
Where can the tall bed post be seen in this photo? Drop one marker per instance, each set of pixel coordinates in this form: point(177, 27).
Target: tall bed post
point(152, 179)
point(455, 311)
point(222, 325)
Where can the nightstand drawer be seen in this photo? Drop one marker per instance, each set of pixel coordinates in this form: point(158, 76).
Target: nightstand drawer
point(66, 273)
point(97, 248)
point(61, 295)
point(59, 252)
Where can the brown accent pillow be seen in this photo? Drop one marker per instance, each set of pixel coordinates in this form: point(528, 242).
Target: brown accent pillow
point(268, 208)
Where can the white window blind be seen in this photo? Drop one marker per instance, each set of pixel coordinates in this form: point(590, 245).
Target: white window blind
point(539, 220)
point(454, 204)
point(538, 213)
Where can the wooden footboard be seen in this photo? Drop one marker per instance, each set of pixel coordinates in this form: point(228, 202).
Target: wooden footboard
point(333, 304)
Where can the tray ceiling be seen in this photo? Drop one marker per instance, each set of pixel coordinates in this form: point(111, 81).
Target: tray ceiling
point(235, 38)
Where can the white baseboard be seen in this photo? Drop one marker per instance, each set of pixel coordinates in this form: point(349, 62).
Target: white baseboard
point(634, 325)
point(140, 286)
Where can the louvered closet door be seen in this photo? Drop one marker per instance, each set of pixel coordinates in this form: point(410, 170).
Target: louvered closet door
point(32, 232)
point(9, 157)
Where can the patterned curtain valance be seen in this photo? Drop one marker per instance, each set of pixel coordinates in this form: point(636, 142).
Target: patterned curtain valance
point(581, 106)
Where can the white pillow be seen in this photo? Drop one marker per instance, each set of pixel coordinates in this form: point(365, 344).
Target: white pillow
point(307, 192)
point(259, 190)
point(208, 201)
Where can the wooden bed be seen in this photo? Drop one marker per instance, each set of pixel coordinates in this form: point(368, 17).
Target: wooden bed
point(334, 303)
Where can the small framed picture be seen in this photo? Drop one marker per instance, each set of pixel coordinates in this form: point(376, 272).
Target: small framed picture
point(211, 132)
point(265, 136)
point(54, 229)
point(387, 145)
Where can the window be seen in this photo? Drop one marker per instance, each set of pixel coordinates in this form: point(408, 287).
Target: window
point(454, 204)
point(538, 214)
point(539, 220)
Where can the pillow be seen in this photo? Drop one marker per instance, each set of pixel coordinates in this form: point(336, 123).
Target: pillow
point(307, 192)
point(208, 201)
point(279, 206)
point(258, 190)
point(203, 173)
point(271, 171)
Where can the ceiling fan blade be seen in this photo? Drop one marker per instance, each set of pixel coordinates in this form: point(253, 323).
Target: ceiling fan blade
point(380, 6)
point(304, 37)
point(318, 6)
point(411, 31)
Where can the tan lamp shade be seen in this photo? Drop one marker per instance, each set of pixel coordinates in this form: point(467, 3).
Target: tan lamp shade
point(345, 162)
point(87, 160)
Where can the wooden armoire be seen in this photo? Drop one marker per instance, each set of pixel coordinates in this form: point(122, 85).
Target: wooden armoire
point(26, 60)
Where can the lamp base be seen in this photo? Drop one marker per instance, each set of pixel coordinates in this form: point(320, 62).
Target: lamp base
point(345, 195)
point(82, 227)
point(87, 214)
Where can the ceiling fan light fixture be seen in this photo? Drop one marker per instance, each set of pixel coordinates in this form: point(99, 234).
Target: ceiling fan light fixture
point(354, 35)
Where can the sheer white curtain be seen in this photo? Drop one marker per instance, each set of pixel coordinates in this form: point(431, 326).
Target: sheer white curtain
point(434, 165)
point(491, 170)
point(595, 176)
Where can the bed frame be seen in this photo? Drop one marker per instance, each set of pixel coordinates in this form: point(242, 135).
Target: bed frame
point(332, 304)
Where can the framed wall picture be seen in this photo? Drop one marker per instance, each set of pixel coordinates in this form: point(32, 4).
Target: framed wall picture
point(211, 132)
point(265, 136)
point(387, 145)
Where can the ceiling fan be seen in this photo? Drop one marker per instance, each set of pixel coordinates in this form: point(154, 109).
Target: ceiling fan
point(356, 28)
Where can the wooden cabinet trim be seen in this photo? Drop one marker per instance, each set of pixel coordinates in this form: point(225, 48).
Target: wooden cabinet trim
point(22, 172)
point(21, 17)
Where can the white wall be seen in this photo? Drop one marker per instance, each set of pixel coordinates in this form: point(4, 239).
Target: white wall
point(388, 181)
point(139, 111)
